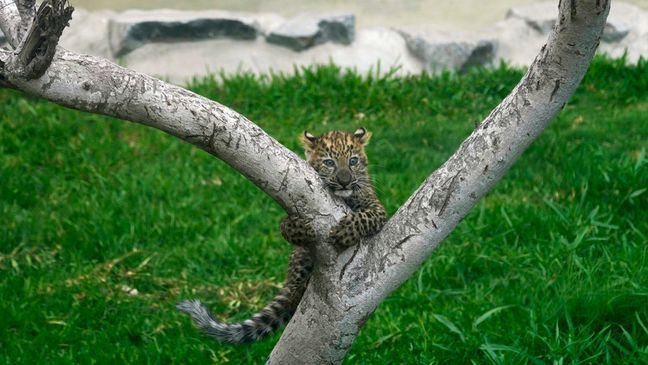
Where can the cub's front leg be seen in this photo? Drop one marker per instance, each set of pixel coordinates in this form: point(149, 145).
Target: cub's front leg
point(297, 230)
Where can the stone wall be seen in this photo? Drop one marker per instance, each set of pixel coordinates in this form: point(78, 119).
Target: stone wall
point(180, 44)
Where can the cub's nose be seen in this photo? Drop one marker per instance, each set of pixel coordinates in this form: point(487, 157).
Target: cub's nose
point(344, 177)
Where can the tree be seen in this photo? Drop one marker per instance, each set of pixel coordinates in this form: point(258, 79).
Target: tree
point(346, 287)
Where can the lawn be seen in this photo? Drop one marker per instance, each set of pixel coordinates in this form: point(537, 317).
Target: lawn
point(105, 225)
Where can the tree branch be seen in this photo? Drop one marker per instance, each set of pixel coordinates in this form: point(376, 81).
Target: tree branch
point(385, 261)
point(37, 48)
point(27, 10)
point(445, 198)
point(10, 22)
point(98, 86)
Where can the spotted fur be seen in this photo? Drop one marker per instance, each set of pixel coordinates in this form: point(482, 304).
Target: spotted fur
point(340, 160)
point(278, 312)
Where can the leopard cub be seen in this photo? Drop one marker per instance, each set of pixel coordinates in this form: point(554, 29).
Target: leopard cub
point(340, 160)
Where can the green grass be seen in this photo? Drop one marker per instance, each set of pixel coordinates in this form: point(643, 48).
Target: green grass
point(551, 267)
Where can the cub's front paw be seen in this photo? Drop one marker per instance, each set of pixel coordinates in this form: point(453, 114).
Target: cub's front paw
point(345, 233)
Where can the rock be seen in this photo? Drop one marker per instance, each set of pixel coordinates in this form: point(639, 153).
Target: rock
point(440, 50)
point(539, 16)
point(2, 39)
point(615, 30)
point(375, 51)
point(625, 32)
point(338, 28)
point(517, 43)
point(134, 28)
point(88, 33)
point(542, 17)
point(619, 21)
point(308, 30)
point(197, 43)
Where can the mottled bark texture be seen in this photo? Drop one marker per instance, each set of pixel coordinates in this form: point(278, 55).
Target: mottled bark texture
point(99, 86)
point(345, 293)
point(346, 287)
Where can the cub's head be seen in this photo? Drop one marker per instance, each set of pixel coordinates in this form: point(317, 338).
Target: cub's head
point(340, 159)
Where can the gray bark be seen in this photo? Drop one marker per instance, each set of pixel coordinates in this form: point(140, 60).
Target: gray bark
point(346, 292)
point(10, 21)
point(347, 287)
point(95, 85)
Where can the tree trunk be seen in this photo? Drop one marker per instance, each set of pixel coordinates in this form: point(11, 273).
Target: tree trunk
point(347, 292)
point(347, 287)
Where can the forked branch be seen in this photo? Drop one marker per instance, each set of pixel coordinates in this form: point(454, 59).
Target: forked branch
point(345, 288)
point(34, 52)
point(377, 267)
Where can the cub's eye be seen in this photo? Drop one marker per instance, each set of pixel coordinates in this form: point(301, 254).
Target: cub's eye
point(328, 162)
point(353, 161)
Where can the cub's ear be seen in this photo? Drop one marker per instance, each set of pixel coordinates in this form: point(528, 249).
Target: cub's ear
point(362, 135)
point(308, 140)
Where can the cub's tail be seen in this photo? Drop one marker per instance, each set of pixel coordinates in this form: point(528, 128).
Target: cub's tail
point(275, 314)
point(261, 324)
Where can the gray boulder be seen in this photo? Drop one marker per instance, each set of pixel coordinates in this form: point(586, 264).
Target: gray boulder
point(622, 19)
point(625, 32)
point(2, 39)
point(439, 51)
point(615, 30)
point(375, 50)
point(134, 28)
point(88, 33)
point(543, 16)
point(307, 30)
point(517, 42)
point(539, 16)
